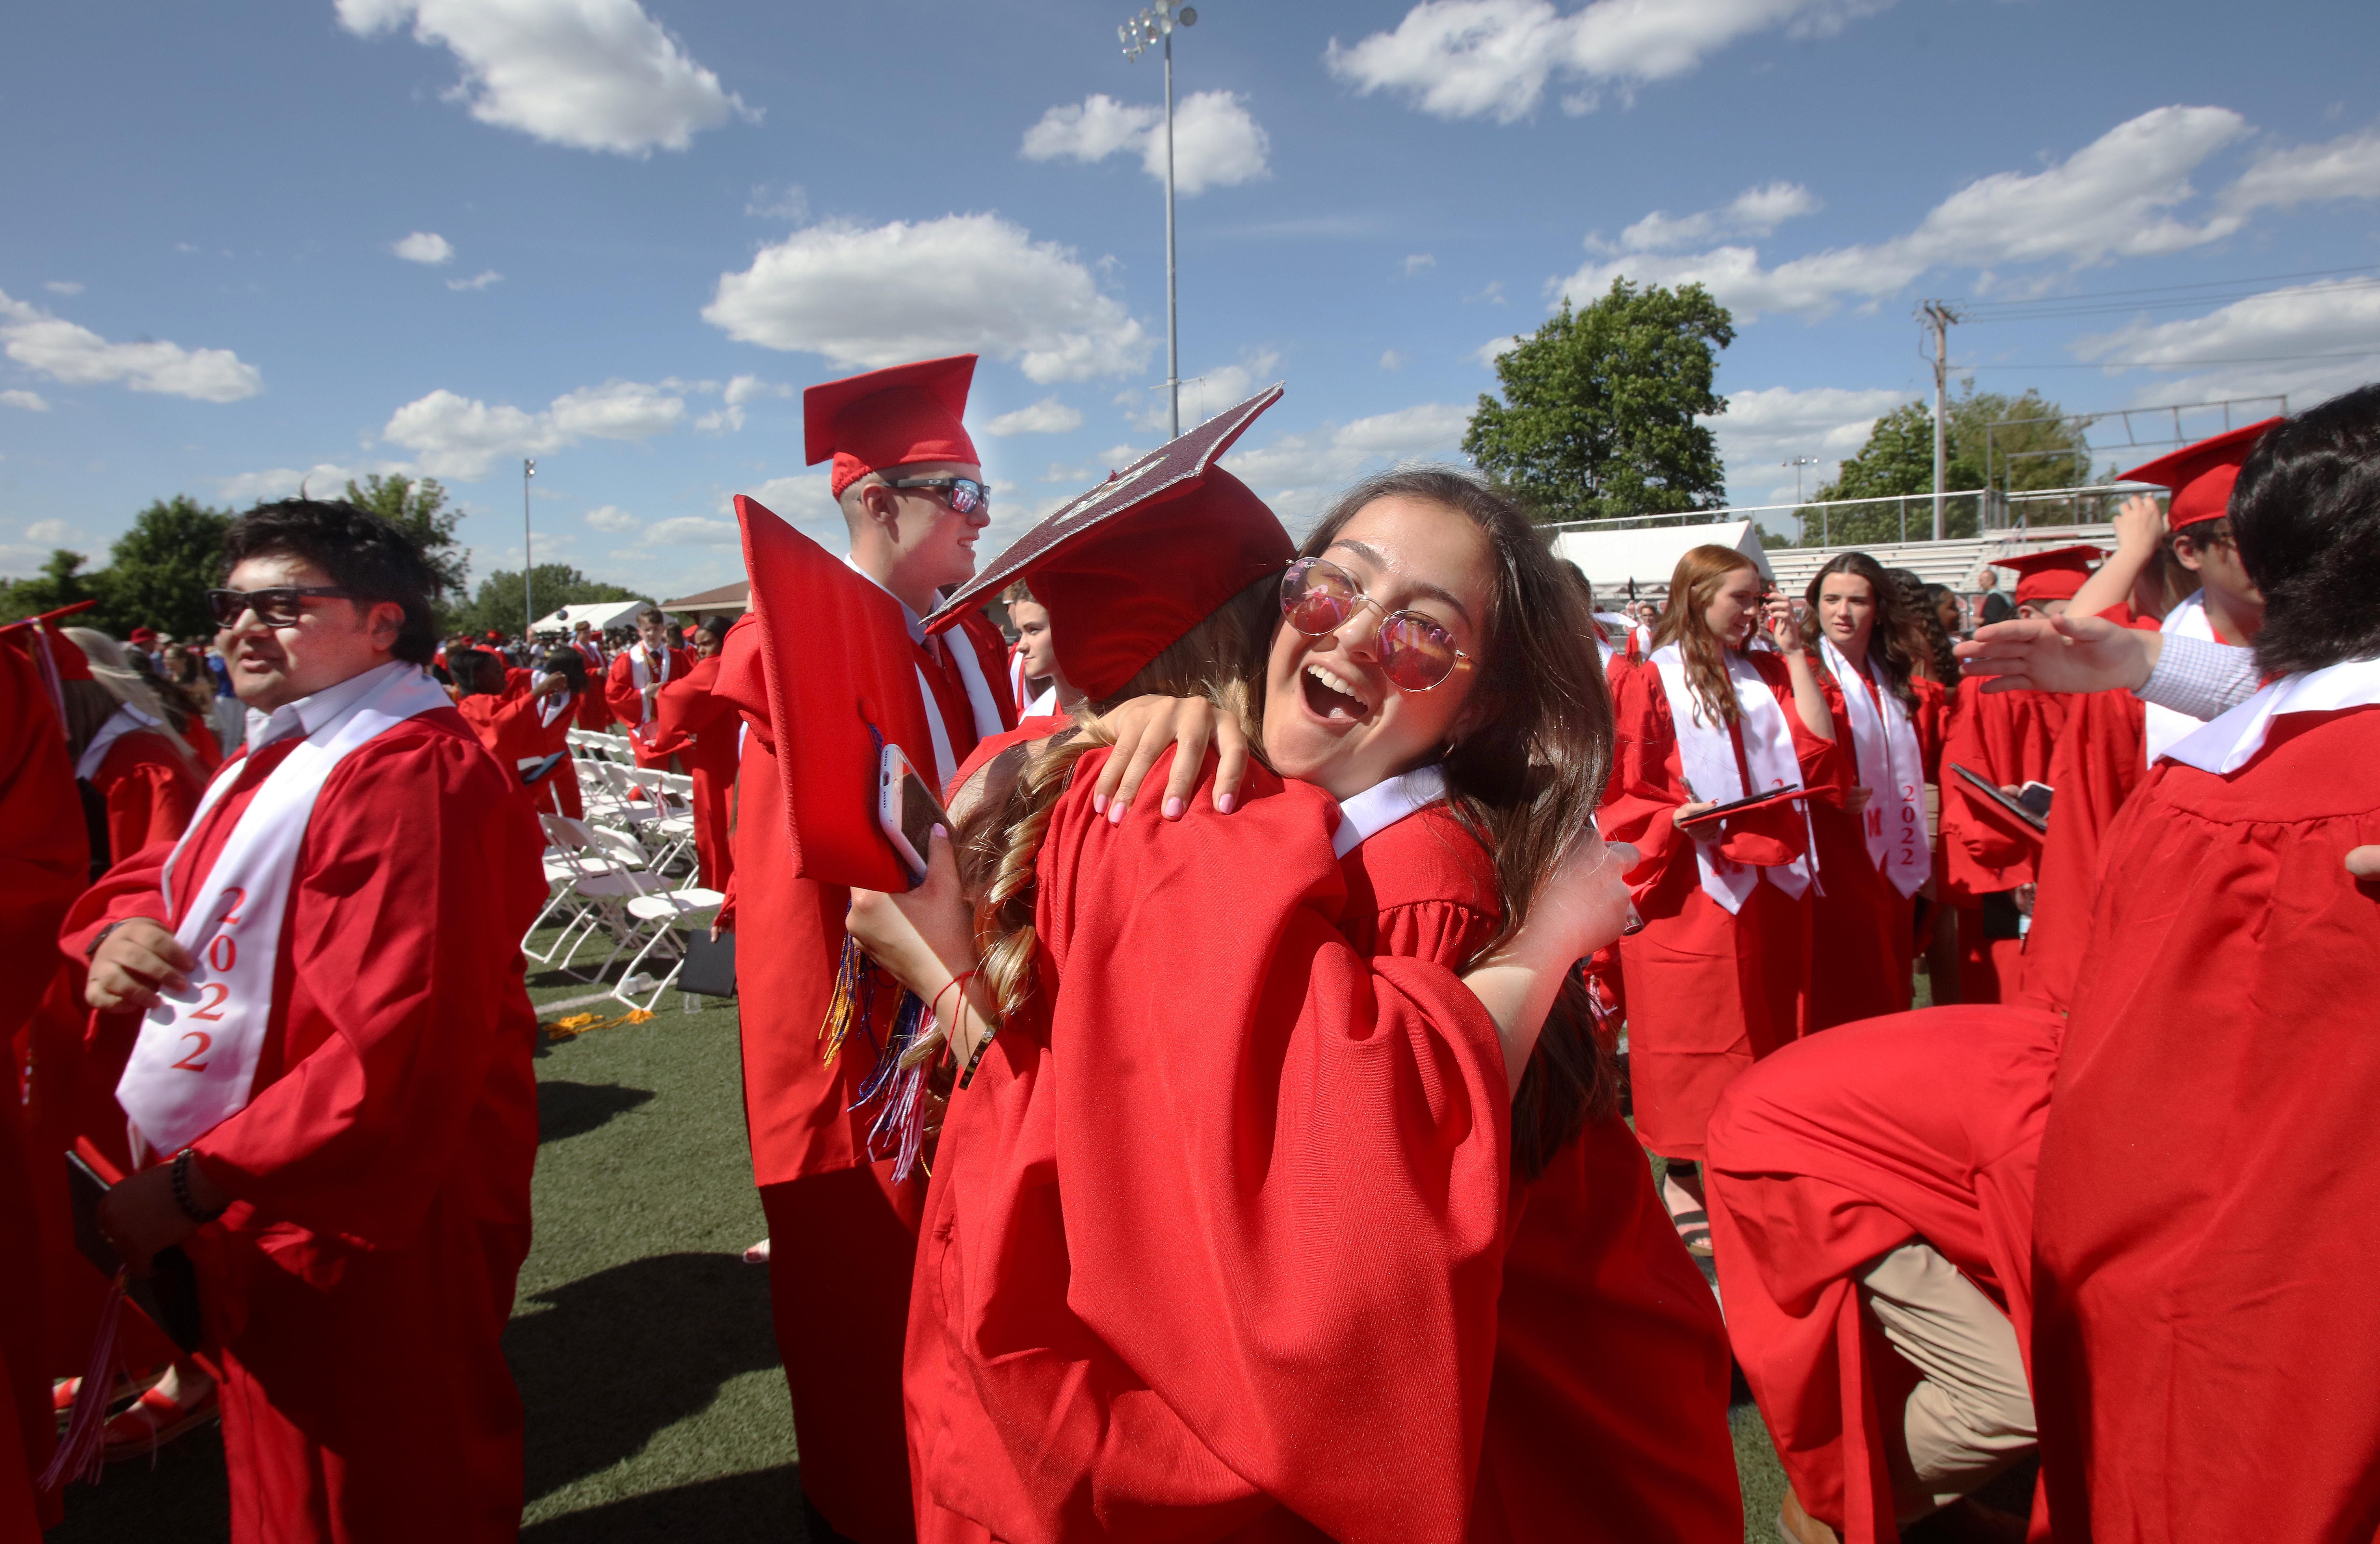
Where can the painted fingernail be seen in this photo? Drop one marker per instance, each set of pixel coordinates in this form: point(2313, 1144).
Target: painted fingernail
point(1227, 802)
point(1115, 813)
point(1099, 804)
point(1174, 808)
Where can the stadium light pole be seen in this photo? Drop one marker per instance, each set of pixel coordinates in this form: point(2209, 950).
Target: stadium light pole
point(528, 560)
point(1797, 463)
point(1152, 27)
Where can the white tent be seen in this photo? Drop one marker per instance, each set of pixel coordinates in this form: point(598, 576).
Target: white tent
point(600, 615)
point(1648, 555)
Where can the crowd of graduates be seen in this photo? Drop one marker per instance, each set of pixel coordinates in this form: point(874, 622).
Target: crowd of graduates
point(1227, 1115)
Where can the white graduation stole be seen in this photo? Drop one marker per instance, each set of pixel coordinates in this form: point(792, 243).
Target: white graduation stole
point(1706, 753)
point(123, 721)
point(2225, 744)
point(1893, 768)
point(2164, 726)
point(641, 665)
point(195, 1061)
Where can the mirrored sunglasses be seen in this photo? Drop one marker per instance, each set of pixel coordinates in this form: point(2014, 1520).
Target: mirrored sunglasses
point(964, 495)
point(278, 607)
point(1415, 654)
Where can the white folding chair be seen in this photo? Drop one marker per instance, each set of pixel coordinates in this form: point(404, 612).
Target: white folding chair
point(658, 917)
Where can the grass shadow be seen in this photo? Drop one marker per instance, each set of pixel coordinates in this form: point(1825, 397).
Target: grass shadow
point(763, 1504)
point(616, 1357)
point(566, 1109)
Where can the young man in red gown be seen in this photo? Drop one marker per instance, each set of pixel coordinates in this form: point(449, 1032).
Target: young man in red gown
point(640, 671)
point(701, 728)
point(843, 1234)
point(359, 1217)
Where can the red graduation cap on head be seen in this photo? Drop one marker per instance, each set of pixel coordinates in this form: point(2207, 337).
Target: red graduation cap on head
point(1142, 559)
point(890, 417)
point(840, 676)
point(2201, 474)
point(2054, 574)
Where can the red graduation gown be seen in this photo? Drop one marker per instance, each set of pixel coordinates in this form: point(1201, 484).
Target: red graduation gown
point(1709, 992)
point(627, 704)
point(150, 790)
point(380, 1169)
point(702, 731)
point(43, 863)
point(839, 1288)
point(1830, 1153)
point(2207, 1347)
point(2007, 739)
point(1266, 1306)
point(1863, 930)
point(2102, 758)
point(594, 712)
point(512, 727)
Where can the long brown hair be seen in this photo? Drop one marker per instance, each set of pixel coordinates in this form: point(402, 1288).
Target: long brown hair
point(1528, 767)
point(1898, 636)
point(1693, 585)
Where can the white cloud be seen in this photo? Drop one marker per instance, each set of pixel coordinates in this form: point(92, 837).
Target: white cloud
point(50, 533)
point(804, 502)
point(31, 401)
point(1762, 429)
point(1494, 58)
point(1217, 142)
point(2112, 199)
point(1418, 261)
point(459, 437)
point(424, 246)
point(479, 281)
point(612, 518)
point(2348, 167)
point(1486, 353)
point(1393, 360)
point(770, 202)
point(63, 286)
point(692, 530)
point(751, 387)
point(1204, 396)
point(729, 418)
point(597, 75)
point(870, 297)
point(80, 357)
point(2308, 341)
point(1753, 211)
point(1046, 416)
point(251, 488)
point(1298, 474)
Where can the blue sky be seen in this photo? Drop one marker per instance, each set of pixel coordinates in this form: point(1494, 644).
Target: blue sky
point(303, 238)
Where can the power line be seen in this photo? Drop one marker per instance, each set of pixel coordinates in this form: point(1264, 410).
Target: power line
point(2167, 289)
point(2177, 364)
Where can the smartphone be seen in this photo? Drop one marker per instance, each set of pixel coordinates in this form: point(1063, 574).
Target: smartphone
point(2034, 797)
point(907, 811)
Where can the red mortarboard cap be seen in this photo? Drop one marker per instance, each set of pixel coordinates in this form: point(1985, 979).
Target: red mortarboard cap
point(1142, 559)
point(2201, 475)
point(2052, 576)
point(890, 417)
point(835, 661)
point(144, 635)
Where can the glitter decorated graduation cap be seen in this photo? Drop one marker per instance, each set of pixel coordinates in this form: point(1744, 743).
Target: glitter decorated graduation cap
point(1137, 561)
point(840, 676)
point(2055, 575)
point(890, 417)
point(2201, 474)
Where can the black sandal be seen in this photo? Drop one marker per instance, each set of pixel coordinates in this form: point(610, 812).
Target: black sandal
point(1694, 1231)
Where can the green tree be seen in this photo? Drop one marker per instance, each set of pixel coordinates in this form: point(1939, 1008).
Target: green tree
point(419, 507)
point(159, 571)
point(1602, 408)
point(1898, 461)
point(498, 603)
point(60, 582)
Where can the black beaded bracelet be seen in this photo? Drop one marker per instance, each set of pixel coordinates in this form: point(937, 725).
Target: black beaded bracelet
point(182, 1198)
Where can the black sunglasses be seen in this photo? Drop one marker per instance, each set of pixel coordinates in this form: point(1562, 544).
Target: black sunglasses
point(277, 607)
point(964, 495)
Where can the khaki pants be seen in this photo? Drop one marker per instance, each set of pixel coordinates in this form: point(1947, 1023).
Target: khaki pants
point(1972, 1415)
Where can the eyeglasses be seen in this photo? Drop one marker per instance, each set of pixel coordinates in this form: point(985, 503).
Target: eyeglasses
point(277, 607)
point(1318, 597)
point(964, 495)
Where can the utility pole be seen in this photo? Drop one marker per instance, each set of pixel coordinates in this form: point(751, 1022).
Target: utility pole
point(529, 561)
point(1151, 27)
point(1939, 315)
point(1797, 463)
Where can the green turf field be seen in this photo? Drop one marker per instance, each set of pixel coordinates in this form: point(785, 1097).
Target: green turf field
point(641, 1340)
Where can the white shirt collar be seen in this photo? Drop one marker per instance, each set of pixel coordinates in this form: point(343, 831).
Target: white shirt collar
point(307, 715)
point(1366, 815)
